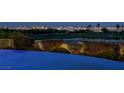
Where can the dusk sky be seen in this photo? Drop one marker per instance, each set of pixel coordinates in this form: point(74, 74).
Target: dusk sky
point(75, 24)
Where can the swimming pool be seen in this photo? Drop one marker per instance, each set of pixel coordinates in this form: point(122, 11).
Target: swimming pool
point(36, 60)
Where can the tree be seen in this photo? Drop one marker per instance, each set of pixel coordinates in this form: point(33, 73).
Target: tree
point(122, 28)
point(118, 27)
point(105, 30)
point(89, 27)
point(3, 34)
point(98, 26)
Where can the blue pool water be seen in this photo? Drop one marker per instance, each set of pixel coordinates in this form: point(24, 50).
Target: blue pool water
point(35, 60)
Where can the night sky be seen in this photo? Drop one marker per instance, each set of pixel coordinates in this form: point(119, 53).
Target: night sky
point(75, 24)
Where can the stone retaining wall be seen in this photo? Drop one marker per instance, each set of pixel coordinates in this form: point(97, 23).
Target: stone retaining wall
point(6, 43)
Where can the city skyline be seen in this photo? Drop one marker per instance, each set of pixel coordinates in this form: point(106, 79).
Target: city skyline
point(57, 24)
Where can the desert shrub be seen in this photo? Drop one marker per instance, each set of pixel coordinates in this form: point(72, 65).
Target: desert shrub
point(107, 54)
point(121, 57)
